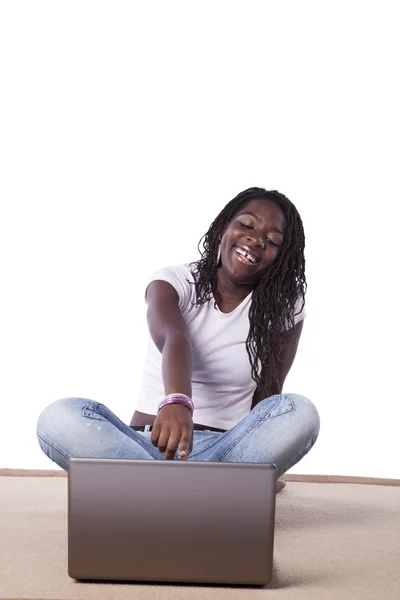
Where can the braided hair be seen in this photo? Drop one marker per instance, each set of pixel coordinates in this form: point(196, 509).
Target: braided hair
point(274, 298)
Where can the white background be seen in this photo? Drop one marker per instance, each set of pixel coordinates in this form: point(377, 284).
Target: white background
point(125, 129)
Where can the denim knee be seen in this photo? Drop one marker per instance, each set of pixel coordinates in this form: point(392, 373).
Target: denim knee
point(307, 412)
point(57, 413)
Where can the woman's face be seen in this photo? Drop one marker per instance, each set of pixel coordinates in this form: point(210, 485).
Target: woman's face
point(257, 228)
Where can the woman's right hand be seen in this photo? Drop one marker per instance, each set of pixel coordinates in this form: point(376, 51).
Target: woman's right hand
point(173, 427)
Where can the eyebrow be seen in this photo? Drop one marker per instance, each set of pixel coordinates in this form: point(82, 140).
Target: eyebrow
point(248, 212)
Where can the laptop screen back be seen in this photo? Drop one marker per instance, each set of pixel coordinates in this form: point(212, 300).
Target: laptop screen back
point(171, 521)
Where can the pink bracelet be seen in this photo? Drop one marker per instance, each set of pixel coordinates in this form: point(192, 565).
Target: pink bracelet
point(177, 399)
point(177, 396)
point(176, 402)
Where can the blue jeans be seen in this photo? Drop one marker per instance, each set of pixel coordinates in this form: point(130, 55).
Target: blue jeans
point(281, 429)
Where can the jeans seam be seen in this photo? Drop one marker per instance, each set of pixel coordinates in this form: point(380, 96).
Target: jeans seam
point(54, 446)
point(262, 417)
point(239, 439)
point(92, 406)
point(146, 442)
point(229, 430)
point(213, 442)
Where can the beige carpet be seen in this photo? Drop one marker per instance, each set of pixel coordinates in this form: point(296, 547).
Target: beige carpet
point(333, 541)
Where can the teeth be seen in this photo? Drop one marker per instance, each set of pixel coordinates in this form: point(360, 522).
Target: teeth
point(246, 254)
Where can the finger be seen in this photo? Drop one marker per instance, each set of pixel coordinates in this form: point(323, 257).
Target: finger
point(184, 445)
point(155, 434)
point(172, 447)
point(163, 439)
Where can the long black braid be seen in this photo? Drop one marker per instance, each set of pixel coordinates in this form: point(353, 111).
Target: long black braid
point(271, 313)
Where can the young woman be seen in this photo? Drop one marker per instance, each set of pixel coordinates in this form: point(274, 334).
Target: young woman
point(224, 332)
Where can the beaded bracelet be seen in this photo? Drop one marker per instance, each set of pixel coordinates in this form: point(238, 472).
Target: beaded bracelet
point(177, 399)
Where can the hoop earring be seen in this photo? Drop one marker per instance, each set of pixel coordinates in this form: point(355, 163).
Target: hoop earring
point(219, 255)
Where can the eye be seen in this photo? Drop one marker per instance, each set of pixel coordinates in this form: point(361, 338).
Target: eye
point(245, 225)
point(251, 227)
point(274, 243)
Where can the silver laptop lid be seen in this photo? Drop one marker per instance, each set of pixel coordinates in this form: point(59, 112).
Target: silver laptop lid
point(171, 521)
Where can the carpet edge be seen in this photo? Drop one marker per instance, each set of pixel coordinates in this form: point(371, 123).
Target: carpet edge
point(294, 477)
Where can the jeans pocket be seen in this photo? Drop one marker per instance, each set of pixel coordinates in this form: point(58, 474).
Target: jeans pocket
point(91, 410)
point(284, 405)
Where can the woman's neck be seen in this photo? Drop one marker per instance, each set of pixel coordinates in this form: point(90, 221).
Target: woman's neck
point(231, 291)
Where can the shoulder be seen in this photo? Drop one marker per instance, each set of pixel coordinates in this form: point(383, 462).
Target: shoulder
point(182, 272)
point(180, 278)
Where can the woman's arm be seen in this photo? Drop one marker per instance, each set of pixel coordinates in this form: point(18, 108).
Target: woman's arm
point(170, 334)
point(173, 425)
point(283, 365)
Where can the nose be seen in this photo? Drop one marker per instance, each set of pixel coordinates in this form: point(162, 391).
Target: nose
point(257, 239)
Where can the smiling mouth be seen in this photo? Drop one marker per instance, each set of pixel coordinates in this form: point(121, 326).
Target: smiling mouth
point(245, 257)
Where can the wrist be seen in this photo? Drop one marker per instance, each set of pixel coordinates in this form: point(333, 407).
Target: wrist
point(177, 399)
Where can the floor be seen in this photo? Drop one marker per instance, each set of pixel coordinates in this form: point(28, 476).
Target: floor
point(334, 538)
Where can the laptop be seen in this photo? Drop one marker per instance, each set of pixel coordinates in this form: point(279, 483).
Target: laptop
point(171, 521)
